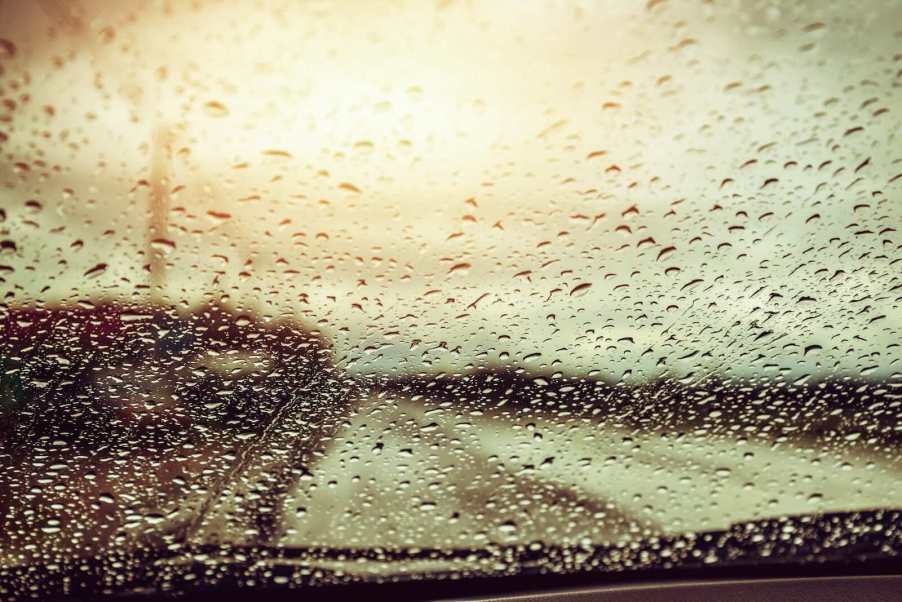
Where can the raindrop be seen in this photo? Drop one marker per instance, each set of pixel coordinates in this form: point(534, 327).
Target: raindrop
point(214, 108)
point(460, 267)
point(96, 271)
point(580, 289)
point(508, 528)
point(162, 244)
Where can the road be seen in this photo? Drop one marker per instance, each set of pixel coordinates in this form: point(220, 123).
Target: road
point(415, 472)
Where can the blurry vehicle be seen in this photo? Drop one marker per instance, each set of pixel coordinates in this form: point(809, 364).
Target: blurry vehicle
point(144, 414)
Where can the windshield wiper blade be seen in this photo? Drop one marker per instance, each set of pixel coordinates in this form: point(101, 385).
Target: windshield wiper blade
point(787, 538)
point(861, 541)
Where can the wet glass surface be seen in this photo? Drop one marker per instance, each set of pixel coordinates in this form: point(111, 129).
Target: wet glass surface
point(506, 283)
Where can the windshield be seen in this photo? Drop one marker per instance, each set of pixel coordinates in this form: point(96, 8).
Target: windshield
point(332, 285)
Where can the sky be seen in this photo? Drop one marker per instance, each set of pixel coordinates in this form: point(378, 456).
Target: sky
point(626, 190)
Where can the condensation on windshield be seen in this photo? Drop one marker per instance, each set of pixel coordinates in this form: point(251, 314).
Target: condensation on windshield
point(506, 282)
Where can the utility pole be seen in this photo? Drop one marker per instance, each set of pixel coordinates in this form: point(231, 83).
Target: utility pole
point(157, 243)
